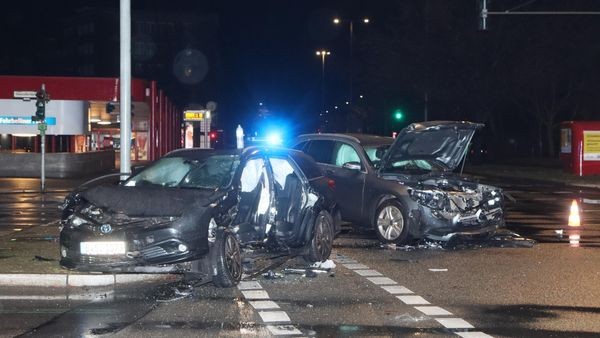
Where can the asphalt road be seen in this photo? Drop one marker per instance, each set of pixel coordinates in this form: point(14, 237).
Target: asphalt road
point(469, 290)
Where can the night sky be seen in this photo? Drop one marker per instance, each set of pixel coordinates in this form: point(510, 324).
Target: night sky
point(410, 48)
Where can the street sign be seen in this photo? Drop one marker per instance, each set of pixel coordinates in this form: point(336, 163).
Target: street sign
point(24, 94)
point(195, 115)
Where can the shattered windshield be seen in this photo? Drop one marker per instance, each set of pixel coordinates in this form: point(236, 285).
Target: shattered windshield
point(212, 172)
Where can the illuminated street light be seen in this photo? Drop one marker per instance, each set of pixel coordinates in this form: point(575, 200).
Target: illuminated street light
point(323, 53)
point(350, 22)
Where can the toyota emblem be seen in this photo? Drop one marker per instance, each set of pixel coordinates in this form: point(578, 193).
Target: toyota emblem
point(106, 229)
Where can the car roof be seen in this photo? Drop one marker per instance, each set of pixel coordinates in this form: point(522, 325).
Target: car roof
point(197, 153)
point(362, 139)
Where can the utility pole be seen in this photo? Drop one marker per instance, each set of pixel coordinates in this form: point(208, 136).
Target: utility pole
point(125, 90)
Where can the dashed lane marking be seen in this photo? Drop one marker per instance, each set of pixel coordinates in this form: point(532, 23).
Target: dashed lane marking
point(263, 304)
point(454, 323)
point(368, 273)
point(281, 330)
point(381, 280)
point(396, 289)
point(473, 334)
point(407, 297)
point(274, 316)
point(278, 320)
point(356, 266)
point(433, 310)
point(255, 294)
point(413, 300)
point(249, 285)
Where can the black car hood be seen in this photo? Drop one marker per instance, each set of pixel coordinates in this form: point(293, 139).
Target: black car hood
point(147, 201)
point(445, 142)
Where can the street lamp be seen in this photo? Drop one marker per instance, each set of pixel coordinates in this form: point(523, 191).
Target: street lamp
point(323, 54)
point(338, 21)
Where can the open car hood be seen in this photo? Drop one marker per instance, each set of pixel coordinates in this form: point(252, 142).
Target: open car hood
point(445, 142)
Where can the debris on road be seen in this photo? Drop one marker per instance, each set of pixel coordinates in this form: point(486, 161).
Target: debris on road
point(43, 259)
point(438, 270)
point(501, 239)
point(325, 265)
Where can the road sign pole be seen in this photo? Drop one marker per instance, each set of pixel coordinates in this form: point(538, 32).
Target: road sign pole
point(125, 92)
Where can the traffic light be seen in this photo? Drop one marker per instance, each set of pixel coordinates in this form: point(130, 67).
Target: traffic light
point(398, 115)
point(213, 135)
point(40, 105)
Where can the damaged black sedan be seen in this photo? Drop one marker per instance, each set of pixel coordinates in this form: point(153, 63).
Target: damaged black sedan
point(197, 211)
point(407, 188)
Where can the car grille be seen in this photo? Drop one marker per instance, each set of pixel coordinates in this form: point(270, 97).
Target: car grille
point(153, 252)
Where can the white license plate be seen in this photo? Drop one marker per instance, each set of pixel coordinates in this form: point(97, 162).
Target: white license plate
point(102, 248)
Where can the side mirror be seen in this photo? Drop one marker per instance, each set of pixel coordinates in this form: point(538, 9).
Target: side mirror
point(355, 166)
point(136, 169)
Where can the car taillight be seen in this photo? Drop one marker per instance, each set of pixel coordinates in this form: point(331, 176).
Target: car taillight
point(331, 184)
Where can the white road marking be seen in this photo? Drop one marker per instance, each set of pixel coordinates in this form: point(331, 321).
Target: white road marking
point(473, 334)
point(413, 300)
point(381, 280)
point(454, 323)
point(264, 304)
point(255, 294)
point(249, 285)
point(450, 323)
point(368, 273)
point(281, 330)
point(274, 316)
point(356, 266)
point(433, 310)
point(396, 289)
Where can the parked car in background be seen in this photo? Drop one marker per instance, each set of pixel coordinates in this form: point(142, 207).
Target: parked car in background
point(405, 188)
point(197, 211)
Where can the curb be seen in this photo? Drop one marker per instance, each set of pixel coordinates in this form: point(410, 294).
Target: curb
point(65, 280)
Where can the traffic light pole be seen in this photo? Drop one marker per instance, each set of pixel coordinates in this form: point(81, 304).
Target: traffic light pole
point(42, 126)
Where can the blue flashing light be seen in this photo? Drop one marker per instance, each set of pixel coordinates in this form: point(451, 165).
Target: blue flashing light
point(274, 139)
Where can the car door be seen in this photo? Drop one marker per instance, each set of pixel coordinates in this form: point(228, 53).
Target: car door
point(255, 197)
point(348, 191)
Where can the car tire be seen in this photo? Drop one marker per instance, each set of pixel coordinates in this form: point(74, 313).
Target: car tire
point(319, 247)
point(227, 259)
point(391, 224)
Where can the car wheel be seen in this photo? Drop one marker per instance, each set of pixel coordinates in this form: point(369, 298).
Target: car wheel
point(227, 260)
point(319, 247)
point(390, 223)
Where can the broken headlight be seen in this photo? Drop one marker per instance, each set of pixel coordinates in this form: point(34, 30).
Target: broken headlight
point(77, 221)
point(429, 198)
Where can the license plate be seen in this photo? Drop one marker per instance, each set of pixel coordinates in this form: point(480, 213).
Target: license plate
point(102, 248)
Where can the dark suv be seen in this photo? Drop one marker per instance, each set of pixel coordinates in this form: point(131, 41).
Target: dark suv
point(405, 188)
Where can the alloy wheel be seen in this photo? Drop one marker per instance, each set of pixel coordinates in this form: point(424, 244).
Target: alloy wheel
point(390, 222)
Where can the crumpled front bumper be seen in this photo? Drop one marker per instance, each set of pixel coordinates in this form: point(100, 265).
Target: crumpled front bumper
point(147, 250)
point(437, 227)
